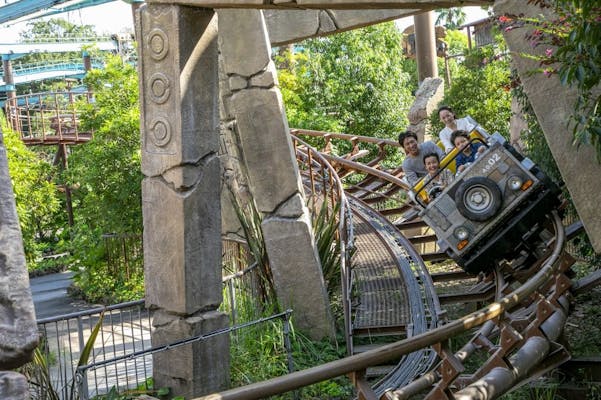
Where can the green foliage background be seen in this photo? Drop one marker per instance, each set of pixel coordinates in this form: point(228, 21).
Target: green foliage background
point(107, 172)
point(353, 82)
point(37, 198)
point(480, 87)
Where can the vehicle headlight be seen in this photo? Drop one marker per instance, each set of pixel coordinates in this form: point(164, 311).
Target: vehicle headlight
point(461, 233)
point(515, 182)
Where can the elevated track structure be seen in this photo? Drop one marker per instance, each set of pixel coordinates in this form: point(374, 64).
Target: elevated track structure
point(397, 325)
point(513, 335)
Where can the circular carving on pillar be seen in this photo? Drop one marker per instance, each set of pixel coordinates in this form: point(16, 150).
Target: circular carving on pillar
point(160, 88)
point(158, 43)
point(160, 131)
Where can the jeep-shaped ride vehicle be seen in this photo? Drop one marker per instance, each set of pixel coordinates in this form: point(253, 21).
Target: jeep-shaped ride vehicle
point(494, 207)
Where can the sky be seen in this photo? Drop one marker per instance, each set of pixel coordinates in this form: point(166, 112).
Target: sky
point(113, 17)
point(116, 17)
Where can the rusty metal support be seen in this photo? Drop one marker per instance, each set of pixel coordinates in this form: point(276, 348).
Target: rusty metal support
point(395, 350)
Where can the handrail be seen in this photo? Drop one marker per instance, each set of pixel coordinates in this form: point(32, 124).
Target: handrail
point(368, 170)
point(386, 353)
point(345, 224)
point(47, 116)
point(345, 136)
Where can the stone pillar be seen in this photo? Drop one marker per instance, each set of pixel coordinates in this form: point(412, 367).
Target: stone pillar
point(18, 329)
point(256, 105)
point(553, 105)
point(425, 46)
point(9, 78)
point(429, 94)
point(180, 194)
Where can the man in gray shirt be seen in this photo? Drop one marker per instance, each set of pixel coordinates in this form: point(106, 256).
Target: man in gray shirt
point(413, 165)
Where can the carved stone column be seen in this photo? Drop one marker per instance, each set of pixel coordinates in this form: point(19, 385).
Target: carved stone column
point(18, 329)
point(255, 103)
point(180, 194)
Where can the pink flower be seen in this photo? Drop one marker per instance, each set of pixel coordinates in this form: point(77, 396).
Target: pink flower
point(549, 52)
point(508, 28)
point(548, 72)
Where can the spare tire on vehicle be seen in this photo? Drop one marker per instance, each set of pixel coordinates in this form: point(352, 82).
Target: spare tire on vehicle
point(478, 198)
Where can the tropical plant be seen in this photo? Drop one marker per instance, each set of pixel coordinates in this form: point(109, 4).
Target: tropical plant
point(250, 220)
point(353, 82)
point(107, 172)
point(37, 199)
point(39, 376)
point(451, 18)
point(572, 42)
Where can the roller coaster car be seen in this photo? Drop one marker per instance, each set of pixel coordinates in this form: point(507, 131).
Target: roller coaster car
point(492, 209)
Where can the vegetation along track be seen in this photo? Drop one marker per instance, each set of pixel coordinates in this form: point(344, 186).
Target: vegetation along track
point(508, 341)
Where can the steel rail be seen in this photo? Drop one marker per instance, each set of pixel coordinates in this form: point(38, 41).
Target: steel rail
point(308, 155)
point(344, 136)
point(423, 301)
point(368, 170)
point(395, 350)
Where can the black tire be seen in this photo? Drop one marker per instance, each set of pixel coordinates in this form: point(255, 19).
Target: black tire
point(478, 198)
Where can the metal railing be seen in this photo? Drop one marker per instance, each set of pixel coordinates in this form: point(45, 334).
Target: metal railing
point(51, 117)
point(324, 185)
point(122, 353)
point(499, 311)
point(54, 65)
point(125, 329)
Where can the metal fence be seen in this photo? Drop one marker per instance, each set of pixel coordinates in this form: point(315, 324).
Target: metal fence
point(125, 329)
point(121, 357)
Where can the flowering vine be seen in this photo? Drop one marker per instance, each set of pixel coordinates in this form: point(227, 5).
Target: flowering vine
point(572, 51)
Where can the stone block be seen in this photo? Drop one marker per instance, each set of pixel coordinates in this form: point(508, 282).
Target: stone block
point(178, 85)
point(289, 26)
point(13, 386)
point(243, 41)
point(578, 165)
point(429, 94)
point(182, 228)
point(352, 19)
point(294, 207)
point(266, 79)
point(237, 83)
point(267, 147)
point(201, 366)
point(297, 274)
point(18, 329)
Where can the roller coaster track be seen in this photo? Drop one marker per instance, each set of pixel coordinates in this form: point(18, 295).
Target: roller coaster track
point(388, 291)
point(510, 340)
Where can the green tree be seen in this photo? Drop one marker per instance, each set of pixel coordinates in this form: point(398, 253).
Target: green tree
point(451, 18)
point(56, 29)
point(107, 172)
point(353, 82)
point(37, 199)
point(481, 89)
point(53, 30)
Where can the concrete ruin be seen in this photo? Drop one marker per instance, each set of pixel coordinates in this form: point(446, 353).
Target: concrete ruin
point(553, 105)
point(181, 153)
point(18, 328)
